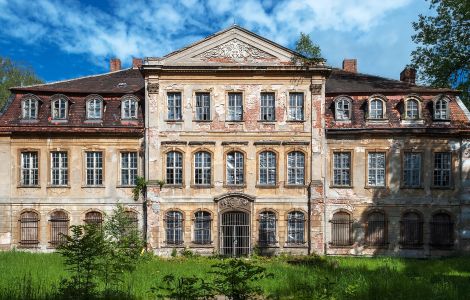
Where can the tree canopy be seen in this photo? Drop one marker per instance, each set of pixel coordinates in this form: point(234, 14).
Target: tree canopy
point(310, 51)
point(442, 56)
point(14, 74)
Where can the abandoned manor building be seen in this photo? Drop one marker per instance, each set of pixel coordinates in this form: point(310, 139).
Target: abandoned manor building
point(243, 150)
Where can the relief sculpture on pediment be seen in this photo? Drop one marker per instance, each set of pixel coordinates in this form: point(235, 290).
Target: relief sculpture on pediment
point(235, 51)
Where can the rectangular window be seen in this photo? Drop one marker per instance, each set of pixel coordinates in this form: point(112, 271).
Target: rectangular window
point(342, 168)
point(412, 169)
point(267, 107)
point(59, 168)
point(376, 169)
point(128, 168)
point(94, 168)
point(296, 106)
point(235, 107)
point(203, 106)
point(174, 106)
point(442, 169)
point(29, 168)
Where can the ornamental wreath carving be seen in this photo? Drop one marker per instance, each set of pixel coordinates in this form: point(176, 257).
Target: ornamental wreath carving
point(233, 202)
point(236, 50)
point(152, 88)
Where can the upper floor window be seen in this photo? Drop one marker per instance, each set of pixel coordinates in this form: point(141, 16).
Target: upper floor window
point(376, 169)
point(235, 168)
point(342, 168)
point(174, 168)
point(267, 168)
point(268, 111)
point(442, 169)
point(174, 106)
point(441, 109)
point(59, 109)
point(94, 168)
point(29, 168)
point(94, 108)
point(202, 168)
point(59, 168)
point(29, 228)
point(174, 228)
point(412, 109)
point(376, 109)
point(295, 227)
point(295, 168)
point(30, 108)
point(235, 107)
point(267, 228)
point(412, 169)
point(128, 168)
point(296, 106)
point(343, 109)
point(202, 228)
point(129, 107)
point(203, 106)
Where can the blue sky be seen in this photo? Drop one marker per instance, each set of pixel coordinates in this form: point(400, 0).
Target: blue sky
point(67, 39)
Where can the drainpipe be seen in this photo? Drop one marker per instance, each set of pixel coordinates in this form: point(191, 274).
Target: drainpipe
point(309, 221)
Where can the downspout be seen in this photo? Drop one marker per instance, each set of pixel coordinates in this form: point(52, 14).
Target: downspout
point(146, 163)
point(309, 218)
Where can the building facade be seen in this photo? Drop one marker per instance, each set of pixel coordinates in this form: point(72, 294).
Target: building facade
point(244, 150)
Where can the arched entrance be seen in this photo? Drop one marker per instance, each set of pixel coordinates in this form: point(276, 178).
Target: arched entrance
point(235, 233)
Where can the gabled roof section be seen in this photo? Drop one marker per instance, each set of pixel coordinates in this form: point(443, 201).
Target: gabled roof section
point(232, 46)
point(119, 82)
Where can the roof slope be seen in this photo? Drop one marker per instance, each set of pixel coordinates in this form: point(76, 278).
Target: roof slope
point(119, 82)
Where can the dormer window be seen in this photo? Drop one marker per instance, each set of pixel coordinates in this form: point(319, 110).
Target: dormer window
point(377, 109)
point(59, 108)
point(412, 109)
point(343, 109)
point(441, 109)
point(94, 108)
point(129, 108)
point(30, 109)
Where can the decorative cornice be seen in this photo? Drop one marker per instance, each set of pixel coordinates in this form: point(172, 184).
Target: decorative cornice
point(235, 51)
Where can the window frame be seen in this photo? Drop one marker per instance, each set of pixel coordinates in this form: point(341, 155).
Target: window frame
point(174, 108)
point(408, 100)
point(243, 167)
point(132, 115)
point(204, 228)
point(271, 232)
point(55, 230)
point(29, 243)
point(295, 241)
point(336, 101)
point(129, 168)
point(437, 117)
point(96, 99)
point(450, 170)
point(203, 108)
point(176, 241)
point(291, 107)
point(368, 168)
point(103, 165)
point(405, 244)
point(58, 99)
point(228, 116)
point(432, 230)
point(351, 168)
point(305, 168)
point(384, 243)
point(203, 168)
point(403, 169)
point(94, 220)
point(336, 243)
point(382, 100)
point(30, 99)
point(37, 174)
point(267, 108)
point(275, 167)
point(166, 153)
point(51, 169)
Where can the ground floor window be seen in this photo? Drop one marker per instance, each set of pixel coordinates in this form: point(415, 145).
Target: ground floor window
point(411, 234)
point(376, 233)
point(442, 230)
point(341, 229)
point(202, 228)
point(29, 233)
point(59, 224)
point(267, 228)
point(295, 227)
point(174, 228)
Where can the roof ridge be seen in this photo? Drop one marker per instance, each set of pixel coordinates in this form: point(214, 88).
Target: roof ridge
point(67, 80)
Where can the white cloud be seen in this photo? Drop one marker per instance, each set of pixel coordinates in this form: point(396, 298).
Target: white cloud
point(153, 28)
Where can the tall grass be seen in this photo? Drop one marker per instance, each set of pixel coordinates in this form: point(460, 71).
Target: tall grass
point(37, 276)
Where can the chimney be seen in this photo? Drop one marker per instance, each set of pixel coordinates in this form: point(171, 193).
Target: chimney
point(136, 62)
point(114, 64)
point(408, 75)
point(350, 65)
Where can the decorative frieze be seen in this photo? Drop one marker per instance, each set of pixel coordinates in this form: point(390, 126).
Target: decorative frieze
point(235, 51)
point(153, 88)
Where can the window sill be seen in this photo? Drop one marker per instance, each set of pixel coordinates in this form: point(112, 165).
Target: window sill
point(341, 186)
point(295, 186)
point(299, 245)
point(267, 186)
point(377, 120)
point(93, 121)
point(29, 186)
point(295, 121)
point(126, 186)
point(29, 121)
point(59, 121)
point(343, 121)
point(58, 186)
point(234, 186)
point(93, 186)
point(182, 246)
point(195, 245)
point(202, 186)
point(442, 187)
point(202, 121)
point(234, 121)
point(412, 122)
point(412, 187)
point(263, 246)
point(373, 187)
point(267, 121)
point(174, 121)
point(340, 246)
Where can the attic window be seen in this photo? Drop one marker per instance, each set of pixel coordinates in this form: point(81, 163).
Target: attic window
point(122, 84)
point(343, 108)
point(377, 109)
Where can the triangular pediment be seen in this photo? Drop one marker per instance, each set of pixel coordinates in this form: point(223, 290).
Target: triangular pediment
point(233, 46)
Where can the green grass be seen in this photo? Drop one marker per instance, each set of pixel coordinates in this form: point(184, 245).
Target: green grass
point(36, 276)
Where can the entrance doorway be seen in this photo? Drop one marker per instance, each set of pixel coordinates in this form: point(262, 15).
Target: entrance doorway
point(235, 234)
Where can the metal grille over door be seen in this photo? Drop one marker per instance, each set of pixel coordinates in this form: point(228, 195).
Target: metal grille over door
point(235, 234)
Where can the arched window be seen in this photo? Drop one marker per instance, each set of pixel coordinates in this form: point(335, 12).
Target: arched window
point(341, 229)
point(235, 168)
point(376, 233)
point(412, 109)
point(59, 224)
point(376, 109)
point(441, 109)
point(59, 109)
point(202, 228)
point(132, 220)
point(267, 228)
point(94, 108)
point(30, 108)
point(174, 228)
point(442, 230)
point(174, 168)
point(129, 107)
point(267, 168)
point(411, 230)
point(295, 227)
point(94, 218)
point(342, 109)
point(29, 225)
point(295, 168)
point(202, 168)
